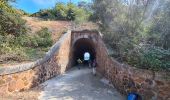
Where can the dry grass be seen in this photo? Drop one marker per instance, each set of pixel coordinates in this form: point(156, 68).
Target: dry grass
point(56, 27)
point(86, 26)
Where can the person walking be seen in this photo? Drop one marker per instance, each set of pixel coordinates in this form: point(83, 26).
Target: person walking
point(90, 63)
point(79, 63)
point(87, 58)
point(94, 65)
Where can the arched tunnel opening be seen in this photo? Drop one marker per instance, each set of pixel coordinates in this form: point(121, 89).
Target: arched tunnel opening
point(82, 46)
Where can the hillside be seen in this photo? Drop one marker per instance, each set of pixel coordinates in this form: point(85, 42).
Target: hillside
point(31, 51)
point(32, 47)
point(55, 27)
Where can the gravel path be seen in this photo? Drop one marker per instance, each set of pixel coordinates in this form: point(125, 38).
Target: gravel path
point(78, 85)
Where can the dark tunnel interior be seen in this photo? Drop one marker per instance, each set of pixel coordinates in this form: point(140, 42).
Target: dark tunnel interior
point(80, 47)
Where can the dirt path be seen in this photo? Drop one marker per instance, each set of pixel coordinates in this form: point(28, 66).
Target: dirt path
point(78, 85)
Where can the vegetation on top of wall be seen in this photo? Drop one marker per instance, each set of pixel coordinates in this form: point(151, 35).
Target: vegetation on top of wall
point(15, 44)
point(137, 31)
point(24, 47)
point(70, 11)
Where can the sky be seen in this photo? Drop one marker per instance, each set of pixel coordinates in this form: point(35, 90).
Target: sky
point(32, 6)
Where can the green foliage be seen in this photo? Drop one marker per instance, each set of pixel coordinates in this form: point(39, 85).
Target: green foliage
point(82, 16)
point(152, 58)
point(44, 38)
point(11, 23)
point(41, 39)
point(15, 44)
point(4, 6)
point(14, 48)
point(11, 52)
point(156, 59)
point(63, 11)
point(160, 27)
point(70, 14)
point(60, 11)
point(138, 32)
point(45, 14)
point(11, 26)
point(35, 53)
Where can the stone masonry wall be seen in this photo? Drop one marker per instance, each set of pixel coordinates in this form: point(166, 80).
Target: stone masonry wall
point(151, 86)
point(22, 77)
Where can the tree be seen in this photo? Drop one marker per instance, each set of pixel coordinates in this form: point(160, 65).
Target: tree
point(70, 14)
point(10, 21)
point(136, 30)
point(60, 11)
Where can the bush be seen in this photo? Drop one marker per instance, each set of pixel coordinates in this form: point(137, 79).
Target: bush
point(149, 57)
point(10, 52)
point(24, 40)
point(15, 44)
point(63, 11)
point(70, 14)
point(44, 38)
point(82, 16)
point(15, 48)
point(41, 39)
point(156, 58)
point(138, 34)
point(11, 24)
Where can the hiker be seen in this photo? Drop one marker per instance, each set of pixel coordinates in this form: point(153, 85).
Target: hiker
point(90, 63)
point(94, 65)
point(79, 63)
point(87, 58)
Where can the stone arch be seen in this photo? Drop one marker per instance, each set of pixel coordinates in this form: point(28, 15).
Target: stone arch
point(81, 45)
point(85, 36)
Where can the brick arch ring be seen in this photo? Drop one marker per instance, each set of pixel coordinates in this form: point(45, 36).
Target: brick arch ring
point(93, 40)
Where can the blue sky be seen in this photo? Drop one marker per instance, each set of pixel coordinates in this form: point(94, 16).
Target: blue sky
point(32, 6)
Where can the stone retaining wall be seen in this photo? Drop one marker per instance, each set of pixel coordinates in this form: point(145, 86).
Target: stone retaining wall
point(151, 86)
point(25, 76)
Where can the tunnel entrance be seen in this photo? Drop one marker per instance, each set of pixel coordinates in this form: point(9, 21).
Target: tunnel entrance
point(82, 46)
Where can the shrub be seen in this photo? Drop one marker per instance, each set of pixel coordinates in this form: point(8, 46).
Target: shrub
point(156, 58)
point(44, 38)
point(14, 48)
point(41, 39)
point(15, 44)
point(63, 11)
point(70, 14)
point(10, 52)
point(10, 20)
point(149, 57)
point(82, 16)
point(11, 23)
point(129, 26)
point(23, 40)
